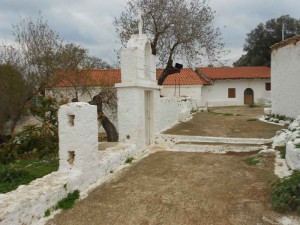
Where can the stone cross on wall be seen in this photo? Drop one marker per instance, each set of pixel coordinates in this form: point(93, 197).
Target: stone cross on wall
point(140, 21)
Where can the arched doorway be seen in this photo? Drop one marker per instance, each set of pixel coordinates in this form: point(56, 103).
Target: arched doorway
point(248, 96)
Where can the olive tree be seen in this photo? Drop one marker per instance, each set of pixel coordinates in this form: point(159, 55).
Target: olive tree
point(76, 73)
point(179, 29)
point(40, 59)
point(259, 41)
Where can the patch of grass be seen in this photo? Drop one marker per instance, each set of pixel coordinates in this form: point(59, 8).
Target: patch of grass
point(285, 194)
point(253, 160)
point(68, 202)
point(111, 171)
point(47, 213)
point(297, 145)
point(194, 111)
point(22, 172)
point(220, 113)
point(252, 119)
point(252, 105)
point(11, 178)
point(227, 114)
point(282, 150)
point(238, 114)
point(129, 160)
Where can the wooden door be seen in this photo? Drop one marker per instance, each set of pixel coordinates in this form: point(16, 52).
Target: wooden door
point(248, 96)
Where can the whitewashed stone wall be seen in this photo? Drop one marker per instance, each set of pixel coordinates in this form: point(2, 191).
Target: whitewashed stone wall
point(285, 70)
point(131, 116)
point(192, 91)
point(89, 167)
point(217, 94)
point(169, 111)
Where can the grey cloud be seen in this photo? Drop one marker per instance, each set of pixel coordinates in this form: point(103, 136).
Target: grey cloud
point(89, 22)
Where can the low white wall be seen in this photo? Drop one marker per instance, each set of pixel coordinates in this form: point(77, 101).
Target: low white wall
point(171, 140)
point(217, 94)
point(27, 204)
point(192, 91)
point(292, 156)
point(285, 69)
point(172, 110)
point(81, 166)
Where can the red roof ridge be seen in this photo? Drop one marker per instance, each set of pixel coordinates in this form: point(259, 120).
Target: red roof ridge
point(245, 72)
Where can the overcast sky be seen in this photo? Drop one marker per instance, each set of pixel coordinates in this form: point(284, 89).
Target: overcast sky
point(89, 22)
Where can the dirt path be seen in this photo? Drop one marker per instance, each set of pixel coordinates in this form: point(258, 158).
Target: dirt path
point(173, 188)
point(238, 121)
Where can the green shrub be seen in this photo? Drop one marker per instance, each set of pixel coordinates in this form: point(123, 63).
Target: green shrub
point(10, 179)
point(32, 139)
point(129, 160)
point(252, 119)
point(68, 202)
point(297, 145)
point(282, 152)
point(24, 171)
point(252, 160)
point(47, 213)
point(285, 194)
point(252, 105)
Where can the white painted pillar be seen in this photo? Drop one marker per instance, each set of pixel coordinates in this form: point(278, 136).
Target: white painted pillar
point(136, 106)
point(78, 137)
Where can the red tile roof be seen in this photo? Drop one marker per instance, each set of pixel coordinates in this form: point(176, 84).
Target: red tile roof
point(93, 78)
point(222, 73)
point(109, 77)
point(187, 76)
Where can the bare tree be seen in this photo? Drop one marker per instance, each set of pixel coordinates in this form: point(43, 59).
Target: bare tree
point(40, 59)
point(76, 73)
point(107, 97)
point(34, 56)
point(178, 28)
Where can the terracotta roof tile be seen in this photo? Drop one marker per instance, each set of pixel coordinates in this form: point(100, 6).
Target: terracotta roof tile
point(222, 73)
point(109, 77)
point(187, 76)
point(95, 78)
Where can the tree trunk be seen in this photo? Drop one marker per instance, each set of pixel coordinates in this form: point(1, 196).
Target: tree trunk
point(167, 71)
point(110, 129)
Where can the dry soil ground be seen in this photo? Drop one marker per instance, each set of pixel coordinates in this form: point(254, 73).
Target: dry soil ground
point(240, 121)
point(173, 188)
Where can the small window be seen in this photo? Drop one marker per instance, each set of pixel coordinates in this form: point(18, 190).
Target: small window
point(71, 120)
point(231, 92)
point(268, 86)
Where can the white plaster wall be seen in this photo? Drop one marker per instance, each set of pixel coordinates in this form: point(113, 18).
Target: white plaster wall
point(131, 115)
point(285, 70)
point(81, 137)
point(193, 91)
point(217, 94)
point(27, 204)
point(89, 167)
point(169, 111)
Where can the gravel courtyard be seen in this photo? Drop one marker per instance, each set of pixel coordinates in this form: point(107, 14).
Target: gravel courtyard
point(181, 188)
point(233, 121)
